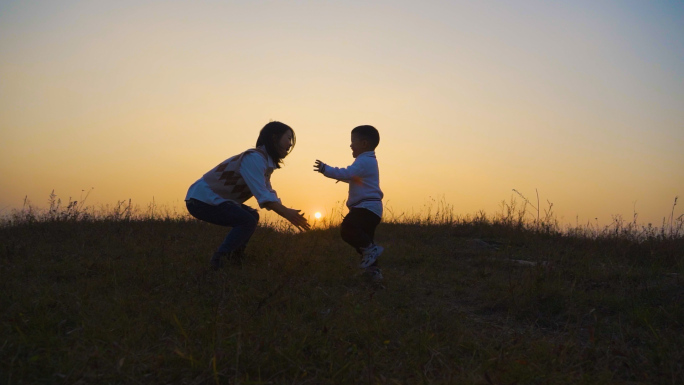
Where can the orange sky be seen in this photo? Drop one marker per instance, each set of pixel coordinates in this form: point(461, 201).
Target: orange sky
point(472, 99)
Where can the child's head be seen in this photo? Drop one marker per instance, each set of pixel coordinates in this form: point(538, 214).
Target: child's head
point(279, 140)
point(364, 138)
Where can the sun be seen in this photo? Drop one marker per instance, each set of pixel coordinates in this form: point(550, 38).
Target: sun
point(317, 215)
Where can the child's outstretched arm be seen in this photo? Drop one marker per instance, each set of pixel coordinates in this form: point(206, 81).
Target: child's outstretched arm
point(321, 167)
point(353, 172)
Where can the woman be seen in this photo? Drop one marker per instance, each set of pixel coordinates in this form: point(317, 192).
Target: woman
point(218, 196)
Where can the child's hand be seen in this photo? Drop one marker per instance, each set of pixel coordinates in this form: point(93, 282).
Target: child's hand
point(319, 166)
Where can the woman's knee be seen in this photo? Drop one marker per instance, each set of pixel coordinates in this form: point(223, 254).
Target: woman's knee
point(252, 220)
point(255, 214)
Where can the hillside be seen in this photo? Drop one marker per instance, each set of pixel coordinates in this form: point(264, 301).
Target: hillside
point(478, 301)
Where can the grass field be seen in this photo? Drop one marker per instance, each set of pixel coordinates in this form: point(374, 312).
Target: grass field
point(120, 298)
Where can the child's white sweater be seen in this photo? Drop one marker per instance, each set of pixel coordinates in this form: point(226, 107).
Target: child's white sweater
point(363, 177)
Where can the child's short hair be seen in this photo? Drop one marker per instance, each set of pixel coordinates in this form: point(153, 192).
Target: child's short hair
point(369, 133)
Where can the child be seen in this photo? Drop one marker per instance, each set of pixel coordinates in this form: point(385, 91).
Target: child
point(365, 197)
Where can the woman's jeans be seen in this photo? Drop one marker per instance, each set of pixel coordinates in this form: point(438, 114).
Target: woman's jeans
point(243, 219)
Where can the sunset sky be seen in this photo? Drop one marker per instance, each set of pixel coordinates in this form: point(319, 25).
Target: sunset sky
point(580, 100)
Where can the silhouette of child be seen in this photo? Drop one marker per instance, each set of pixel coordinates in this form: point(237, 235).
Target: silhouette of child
point(365, 197)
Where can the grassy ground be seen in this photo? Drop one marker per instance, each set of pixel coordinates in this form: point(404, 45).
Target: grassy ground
point(474, 301)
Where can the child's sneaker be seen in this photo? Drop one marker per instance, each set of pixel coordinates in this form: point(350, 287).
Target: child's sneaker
point(373, 273)
point(370, 255)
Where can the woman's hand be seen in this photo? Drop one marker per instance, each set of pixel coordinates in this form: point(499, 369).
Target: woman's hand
point(319, 166)
point(296, 218)
point(292, 215)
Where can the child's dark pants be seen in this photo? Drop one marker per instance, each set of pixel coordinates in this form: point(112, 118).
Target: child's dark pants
point(358, 228)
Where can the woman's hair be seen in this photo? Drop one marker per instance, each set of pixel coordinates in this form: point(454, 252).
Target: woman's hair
point(266, 138)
